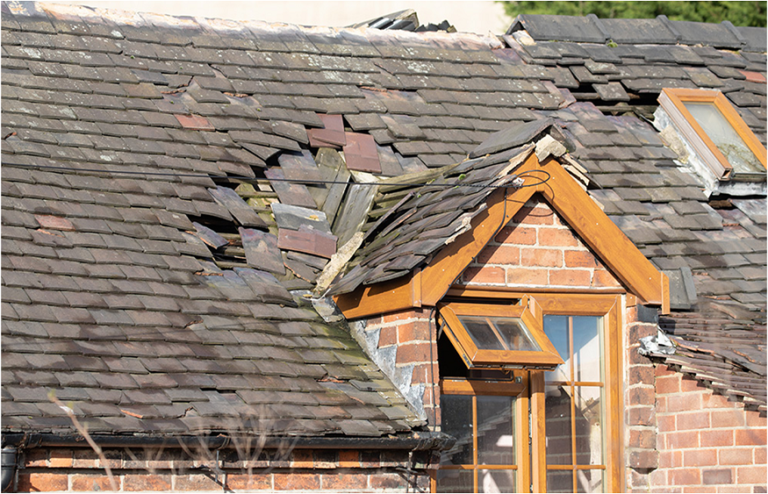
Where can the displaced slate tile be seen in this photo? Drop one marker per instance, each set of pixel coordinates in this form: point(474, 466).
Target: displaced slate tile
point(261, 250)
point(361, 154)
point(613, 91)
point(291, 130)
point(209, 236)
point(288, 192)
point(511, 137)
point(293, 217)
point(235, 204)
point(332, 135)
point(299, 166)
point(308, 241)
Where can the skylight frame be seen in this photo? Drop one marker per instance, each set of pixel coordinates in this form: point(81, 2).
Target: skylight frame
point(672, 101)
point(529, 314)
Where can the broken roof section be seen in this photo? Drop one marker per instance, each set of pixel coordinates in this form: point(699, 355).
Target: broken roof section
point(165, 182)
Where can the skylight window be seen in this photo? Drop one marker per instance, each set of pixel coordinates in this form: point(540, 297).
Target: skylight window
point(712, 127)
point(496, 336)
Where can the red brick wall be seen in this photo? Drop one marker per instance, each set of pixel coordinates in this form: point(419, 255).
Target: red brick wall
point(706, 443)
point(172, 470)
point(414, 338)
point(537, 249)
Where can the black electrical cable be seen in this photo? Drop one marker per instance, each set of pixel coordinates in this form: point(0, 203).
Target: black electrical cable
point(290, 180)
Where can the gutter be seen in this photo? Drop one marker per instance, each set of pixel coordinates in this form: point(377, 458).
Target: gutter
point(417, 441)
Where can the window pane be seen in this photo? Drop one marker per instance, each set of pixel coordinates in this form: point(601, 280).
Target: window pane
point(559, 481)
point(495, 419)
point(455, 481)
point(558, 425)
point(515, 334)
point(586, 349)
point(725, 137)
point(482, 333)
point(589, 437)
point(496, 481)
point(457, 421)
point(556, 329)
point(589, 481)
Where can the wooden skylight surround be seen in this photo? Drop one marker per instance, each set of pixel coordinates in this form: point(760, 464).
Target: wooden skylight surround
point(716, 132)
point(499, 336)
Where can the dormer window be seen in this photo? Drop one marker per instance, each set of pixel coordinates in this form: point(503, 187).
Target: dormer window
point(715, 135)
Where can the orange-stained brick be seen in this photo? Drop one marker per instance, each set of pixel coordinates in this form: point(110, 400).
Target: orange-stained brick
point(342, 481)
point(659, 477)
point(760, 455)
point(499, 254)
point(541, 257)
point(519, 235)
point(685, 476)
point(50, 222)
point(386, 481)
point(194, 122)
point(253, 482)
point(728, 418)
point(716, 437)
point(414, 352)
point(43, 482)
point(61, 458)
point(401, 316)
point(557, 237)
point(680, 440)
point(700, 488)
point(750, 437)
point(687, 383)
point(734, 489)
point(661, 404)
point(700, 457)
point(36, 458)
point(301, 458)
point(425, 373)
point(751, 475)
point(693, 420)
point(602, 277)
point(663, 370)
point(736, 456)
point(570, 277)
point(523, 276)
point(349, 459)
point(540, 215)
point(296, 481)
point(387, 336)
point(485, 275)
point(196, 482)
point(670, 459)
point(413, 331)
point(146, 482)
point(97, 482)
point(668, 384)
point(715, 400)
point(753, 76)
point(684, 402)
point(580, 259)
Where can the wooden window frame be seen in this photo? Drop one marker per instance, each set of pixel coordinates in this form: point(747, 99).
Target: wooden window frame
point(672, 101)
point(516, 389)
point(529, 314)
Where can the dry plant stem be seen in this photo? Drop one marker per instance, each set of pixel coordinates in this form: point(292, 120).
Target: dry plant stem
point(84, 432)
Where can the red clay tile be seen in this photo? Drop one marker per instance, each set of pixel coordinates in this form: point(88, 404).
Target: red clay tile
point(360, 153)
point(753, 76)
point(194, 122)
point(54, 222)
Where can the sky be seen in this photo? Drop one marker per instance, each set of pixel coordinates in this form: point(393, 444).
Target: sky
point(479, 17)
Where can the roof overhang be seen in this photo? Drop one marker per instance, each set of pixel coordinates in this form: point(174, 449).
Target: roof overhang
point(426, 287)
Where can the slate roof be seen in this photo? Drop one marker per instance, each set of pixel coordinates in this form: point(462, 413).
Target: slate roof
point(156, 264)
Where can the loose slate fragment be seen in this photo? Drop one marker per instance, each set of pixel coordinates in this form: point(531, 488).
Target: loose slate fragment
point(330, 136)
point(308, 241)
point(288, 192)
point(329, 162)
point(291, 130)
point(243, 213)
point(209, 236)
point(292, 218)
point(262, 152)
point(511, 137)
point(390, 165)
point(354, 212)
point(299, 166)
point(261, 250)
point(361, 154)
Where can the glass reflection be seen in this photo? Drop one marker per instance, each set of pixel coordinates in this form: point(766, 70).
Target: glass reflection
point(586, 349)
point(455, 481)
point(495, 440)
point(496, 481)
point(457, 422)
point(588, 425)
point(589, 481)
point(559, 481)
point(556, 329)
point(558, 425)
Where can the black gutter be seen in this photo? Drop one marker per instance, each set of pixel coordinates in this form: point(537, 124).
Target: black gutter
point(417, 441)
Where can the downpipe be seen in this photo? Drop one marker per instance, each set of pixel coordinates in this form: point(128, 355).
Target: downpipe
point(8, 468)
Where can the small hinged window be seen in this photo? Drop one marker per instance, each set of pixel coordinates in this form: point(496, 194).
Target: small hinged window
point(499, 336)
point(712, 127)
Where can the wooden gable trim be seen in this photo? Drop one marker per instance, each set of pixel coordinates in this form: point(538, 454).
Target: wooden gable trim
point(428, 286)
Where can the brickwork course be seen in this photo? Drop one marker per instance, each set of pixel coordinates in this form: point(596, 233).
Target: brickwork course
point(181, 197)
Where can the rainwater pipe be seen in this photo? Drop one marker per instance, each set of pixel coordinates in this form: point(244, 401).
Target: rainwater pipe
point(8, 467)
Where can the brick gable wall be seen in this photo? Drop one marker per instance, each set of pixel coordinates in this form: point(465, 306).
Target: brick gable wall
point(537, 249)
